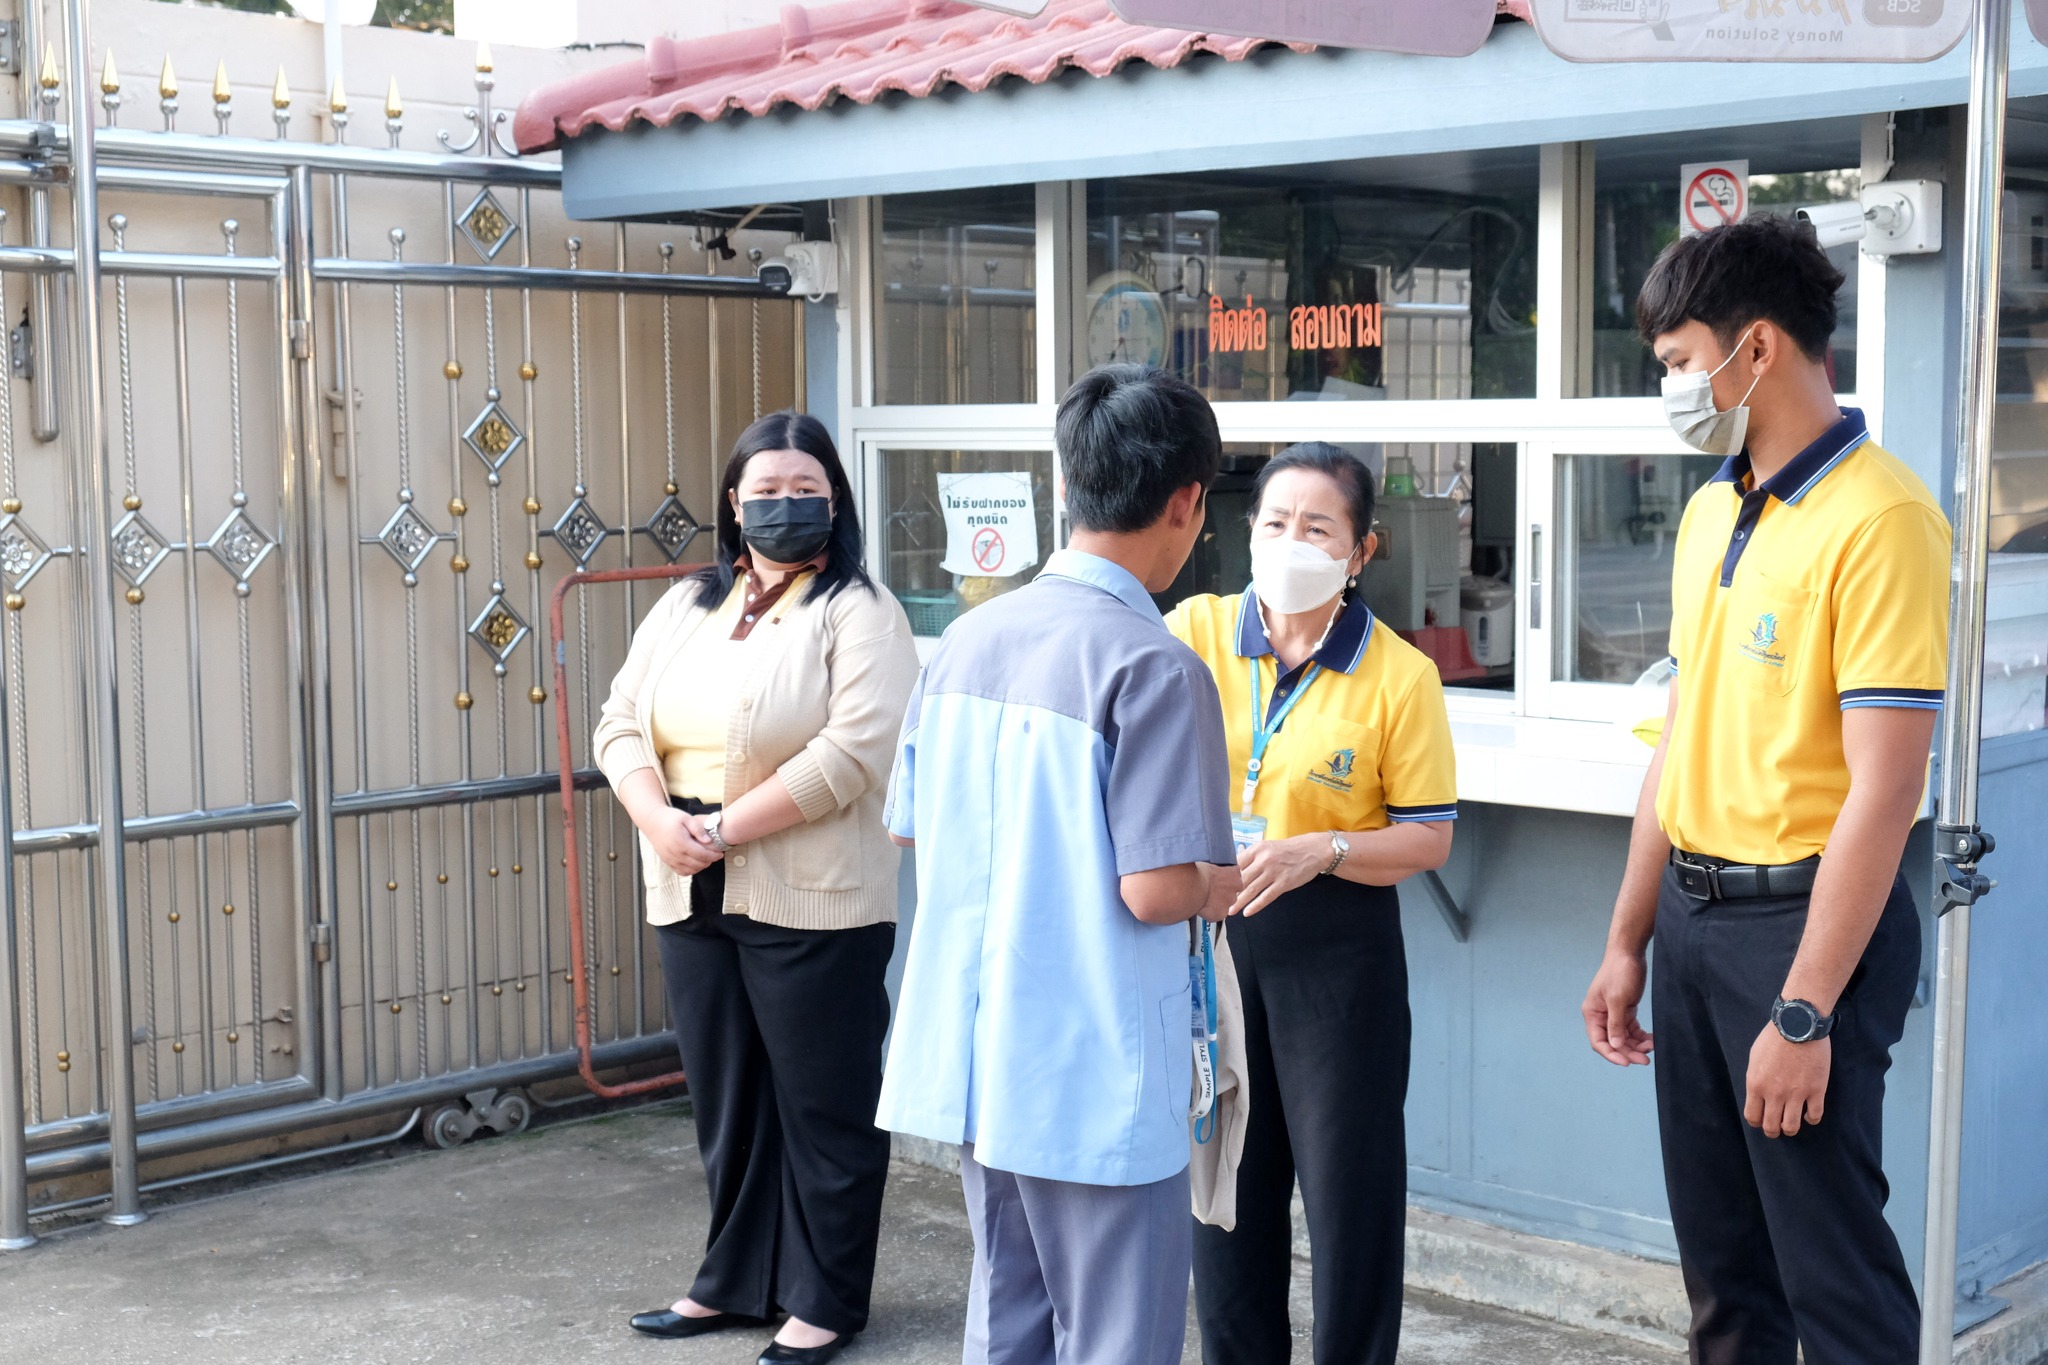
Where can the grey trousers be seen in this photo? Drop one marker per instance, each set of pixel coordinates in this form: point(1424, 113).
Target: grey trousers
point(1068, 1274)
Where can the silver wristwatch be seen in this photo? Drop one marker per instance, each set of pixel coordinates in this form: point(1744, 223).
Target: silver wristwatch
point(711, 824)
point(1340, 849)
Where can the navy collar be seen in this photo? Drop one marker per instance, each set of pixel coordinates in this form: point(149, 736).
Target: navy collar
point(1809, 466)
point(1343, 648)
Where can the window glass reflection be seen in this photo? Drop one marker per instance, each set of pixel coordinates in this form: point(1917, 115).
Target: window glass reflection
point(1331, 290)
point(1618, 516)
point(959, 527)
point(956, 276)
point(1634, 219)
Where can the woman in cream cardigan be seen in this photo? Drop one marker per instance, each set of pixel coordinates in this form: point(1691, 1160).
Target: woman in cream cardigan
point(749, 736)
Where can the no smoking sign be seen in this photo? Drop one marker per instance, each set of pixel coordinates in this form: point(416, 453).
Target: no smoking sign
point(1712, 194)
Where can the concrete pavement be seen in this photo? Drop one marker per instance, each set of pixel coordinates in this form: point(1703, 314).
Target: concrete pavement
point(532, 1248)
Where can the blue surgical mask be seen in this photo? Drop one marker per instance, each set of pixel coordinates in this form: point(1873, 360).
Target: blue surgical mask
point(1689, 407)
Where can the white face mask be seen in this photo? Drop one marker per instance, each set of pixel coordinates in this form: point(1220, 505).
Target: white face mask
point(1293, 576)
point(1689, 407)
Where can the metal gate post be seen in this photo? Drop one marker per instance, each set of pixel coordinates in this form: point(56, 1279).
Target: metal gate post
point(89, 449)
point(14, 1233)
point(42, 318)
point(302, 478)
point(1958, 842)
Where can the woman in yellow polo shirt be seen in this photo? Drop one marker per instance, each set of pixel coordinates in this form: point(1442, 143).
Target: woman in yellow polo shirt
point(1342, 777)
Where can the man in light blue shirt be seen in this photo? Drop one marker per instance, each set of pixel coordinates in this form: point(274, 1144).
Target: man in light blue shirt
point(1062, 774)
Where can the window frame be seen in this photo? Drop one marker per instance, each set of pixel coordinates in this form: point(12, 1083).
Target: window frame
point(1546, 717)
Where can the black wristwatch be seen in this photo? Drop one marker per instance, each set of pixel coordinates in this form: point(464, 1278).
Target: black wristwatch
point(1799, 1022)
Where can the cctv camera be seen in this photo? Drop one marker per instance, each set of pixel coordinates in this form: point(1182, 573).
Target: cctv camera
point(1835, 224)
point(775, 275)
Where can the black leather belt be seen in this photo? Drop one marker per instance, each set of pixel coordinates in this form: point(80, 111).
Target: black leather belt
point(1716, 879)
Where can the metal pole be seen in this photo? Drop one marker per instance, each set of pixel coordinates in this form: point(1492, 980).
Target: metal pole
point(14, 1233)
point(88, 423)
point(42, 309)
point(1958, 841)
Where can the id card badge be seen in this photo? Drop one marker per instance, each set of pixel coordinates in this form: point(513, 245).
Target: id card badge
point(1246, 830)
point(1202, 1032)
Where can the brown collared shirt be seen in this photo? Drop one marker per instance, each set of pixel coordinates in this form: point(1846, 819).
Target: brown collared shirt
point(756, 604)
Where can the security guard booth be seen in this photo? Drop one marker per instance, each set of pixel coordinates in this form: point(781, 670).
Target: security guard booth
point(1433, 263)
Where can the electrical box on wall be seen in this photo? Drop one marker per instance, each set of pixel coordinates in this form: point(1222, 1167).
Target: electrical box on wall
point(813, 269)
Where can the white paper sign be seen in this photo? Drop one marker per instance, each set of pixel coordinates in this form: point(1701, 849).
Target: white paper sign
point(991, 524)
point(1751, 30)
point(1712, 194)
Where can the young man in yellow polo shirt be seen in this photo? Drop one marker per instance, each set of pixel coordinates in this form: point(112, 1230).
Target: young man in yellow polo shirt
point(1810, 631)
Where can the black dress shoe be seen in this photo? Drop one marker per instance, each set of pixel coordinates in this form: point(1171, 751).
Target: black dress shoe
point(666, 1322)
point(779, 1354)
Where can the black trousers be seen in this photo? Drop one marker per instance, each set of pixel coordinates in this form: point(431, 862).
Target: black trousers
point(781, 1033)
point(1324, 976)
point(1782, 1241)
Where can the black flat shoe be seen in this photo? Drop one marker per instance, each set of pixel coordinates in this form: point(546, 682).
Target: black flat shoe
point(666, 1322)
point(779, 1354)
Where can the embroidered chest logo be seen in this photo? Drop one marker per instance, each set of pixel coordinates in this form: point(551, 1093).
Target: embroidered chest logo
point(1762, 636)
point(1334, 772)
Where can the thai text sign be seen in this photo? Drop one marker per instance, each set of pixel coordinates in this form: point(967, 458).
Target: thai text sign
point(1312, 327)
point(1751, 30)
point(991, 524)
point(1333, 326)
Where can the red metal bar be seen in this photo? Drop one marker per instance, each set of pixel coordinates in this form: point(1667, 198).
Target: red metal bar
point(580, 984)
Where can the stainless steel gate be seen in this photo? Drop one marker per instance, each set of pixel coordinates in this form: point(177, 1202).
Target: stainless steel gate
point(363, 408)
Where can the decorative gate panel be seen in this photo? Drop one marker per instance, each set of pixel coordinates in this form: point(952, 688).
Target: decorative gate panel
point(363, 410)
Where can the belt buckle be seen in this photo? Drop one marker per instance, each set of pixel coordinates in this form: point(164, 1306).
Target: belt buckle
point(1697, 880)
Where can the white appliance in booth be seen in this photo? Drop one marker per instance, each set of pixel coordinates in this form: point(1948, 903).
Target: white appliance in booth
point(1413, 581)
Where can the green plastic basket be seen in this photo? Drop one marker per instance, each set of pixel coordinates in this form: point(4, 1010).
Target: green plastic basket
point(930, 611)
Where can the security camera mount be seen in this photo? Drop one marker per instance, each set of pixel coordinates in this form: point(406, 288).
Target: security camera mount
point(1904, 217)
point(1890, 218)
point(813, 269)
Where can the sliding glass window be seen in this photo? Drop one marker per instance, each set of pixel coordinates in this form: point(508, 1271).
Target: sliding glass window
point(1380, 280)
point(956, 275)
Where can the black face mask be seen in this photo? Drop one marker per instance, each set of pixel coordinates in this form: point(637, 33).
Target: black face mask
point(786, 530)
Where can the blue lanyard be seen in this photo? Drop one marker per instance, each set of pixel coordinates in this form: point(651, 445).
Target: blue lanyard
point(1263, 730)
point(1202, 971)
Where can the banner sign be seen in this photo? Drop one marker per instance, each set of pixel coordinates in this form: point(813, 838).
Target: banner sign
point(991, 524)
point(1753, 30)
point(1431, 28)
point(1712, 194)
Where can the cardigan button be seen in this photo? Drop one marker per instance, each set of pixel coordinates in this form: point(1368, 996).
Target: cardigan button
point(739, 860)
point(740, 908)
point(746, 703)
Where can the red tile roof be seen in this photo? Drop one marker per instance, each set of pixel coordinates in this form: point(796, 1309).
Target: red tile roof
point(856, 51)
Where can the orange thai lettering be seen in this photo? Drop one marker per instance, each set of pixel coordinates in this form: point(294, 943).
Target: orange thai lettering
point(1236, 329)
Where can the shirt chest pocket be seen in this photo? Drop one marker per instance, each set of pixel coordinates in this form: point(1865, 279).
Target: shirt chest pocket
point(1768, 632)
point(1336, 766)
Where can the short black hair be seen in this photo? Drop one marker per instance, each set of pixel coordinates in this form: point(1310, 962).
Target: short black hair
point(1352, 476)
point(1129, 438)
point(785, 430)
point(1765, 268)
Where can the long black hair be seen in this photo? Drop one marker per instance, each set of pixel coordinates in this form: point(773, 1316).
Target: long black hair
point(1351, 475)
point(845, 553)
